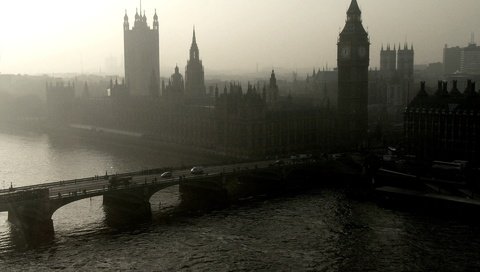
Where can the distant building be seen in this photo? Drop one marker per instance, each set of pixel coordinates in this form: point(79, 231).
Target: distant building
point(272, 94)
point(462, 60)
point(396, 70)
point(194, 73)
point(388, 61)
point(451, 59)
point(118, 90)
point(60, 101)
point(252, 125)
point(444, 125)
point(353, 61)
point(470, 59)
point(321, 87)
point(257, 123)
point(142, 62)
point(175, 87)
point(405, 63)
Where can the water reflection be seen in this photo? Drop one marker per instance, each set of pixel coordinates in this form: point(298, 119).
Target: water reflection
point(23, 239)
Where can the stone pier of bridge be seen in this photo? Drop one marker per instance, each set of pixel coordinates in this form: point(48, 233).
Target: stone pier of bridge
point(34, 215)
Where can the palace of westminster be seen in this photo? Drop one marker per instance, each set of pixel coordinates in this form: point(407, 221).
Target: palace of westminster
point(256, 120)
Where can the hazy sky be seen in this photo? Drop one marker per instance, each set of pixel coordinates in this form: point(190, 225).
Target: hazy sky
point(55, 36)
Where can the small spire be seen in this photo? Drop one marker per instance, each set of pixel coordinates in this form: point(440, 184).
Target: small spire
point(354, 9)
point(194, 38)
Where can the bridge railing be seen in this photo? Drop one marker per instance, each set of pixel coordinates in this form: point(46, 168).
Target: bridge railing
point(134, 173)
point(99, 191)
point(79, 180)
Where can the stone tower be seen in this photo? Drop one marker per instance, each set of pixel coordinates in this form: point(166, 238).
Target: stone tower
point(405, 62)
point(141, 54)
point(388, 61)
point(353, 61)
point(194, 73)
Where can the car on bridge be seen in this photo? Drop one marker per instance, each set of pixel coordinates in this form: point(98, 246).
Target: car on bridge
point(278, 163)
point(167, 174)
point(197, 170)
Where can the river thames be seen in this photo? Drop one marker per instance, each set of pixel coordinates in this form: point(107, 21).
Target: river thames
point(319, 230)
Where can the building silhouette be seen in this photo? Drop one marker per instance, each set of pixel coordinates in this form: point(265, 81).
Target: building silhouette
point(462, 60)
point(397, 76)
point(470, 59)
point(444, 125)
point(194, 73)
point(272, 93)
point(388, 61)
point(353, 61)
point(175, 87)
point(256, 122)
point(451, 59)
point(60, 98)
point(141, 54)
point(405, 63)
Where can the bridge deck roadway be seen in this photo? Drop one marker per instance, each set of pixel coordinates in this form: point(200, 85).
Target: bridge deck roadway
point(95, 186)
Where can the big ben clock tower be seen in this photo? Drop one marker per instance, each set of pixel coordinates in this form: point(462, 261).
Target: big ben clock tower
point(353, 60)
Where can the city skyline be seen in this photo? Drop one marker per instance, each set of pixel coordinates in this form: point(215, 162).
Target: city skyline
point(76, 38)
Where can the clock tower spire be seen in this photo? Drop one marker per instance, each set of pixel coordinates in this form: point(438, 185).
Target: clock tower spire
point(353, 61)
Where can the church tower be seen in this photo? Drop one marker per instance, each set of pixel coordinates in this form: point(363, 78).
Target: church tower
point(194, 74)
point(405, 62)
point(141, 54)
point(388, 61)
point(353, 61)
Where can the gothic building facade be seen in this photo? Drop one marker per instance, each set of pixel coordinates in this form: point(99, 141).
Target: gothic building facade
point(141, 54)
point(262, 124)
point(175, 88)
point(194, 73)
point(396, 72)
point(444, 125)
point(255, 123)
point(353, 61)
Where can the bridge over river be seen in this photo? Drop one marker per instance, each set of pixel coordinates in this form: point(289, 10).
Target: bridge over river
point(31, 207)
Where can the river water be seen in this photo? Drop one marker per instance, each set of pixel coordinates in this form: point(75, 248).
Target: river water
point(320, 230)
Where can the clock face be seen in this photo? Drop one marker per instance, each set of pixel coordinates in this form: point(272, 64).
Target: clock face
point(345, 52)
point(362, 51)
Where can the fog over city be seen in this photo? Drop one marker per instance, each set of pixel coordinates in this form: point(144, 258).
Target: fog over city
point(239, 135)
point(55, 36)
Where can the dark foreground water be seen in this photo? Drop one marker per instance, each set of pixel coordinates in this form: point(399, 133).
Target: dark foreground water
point(323, 230)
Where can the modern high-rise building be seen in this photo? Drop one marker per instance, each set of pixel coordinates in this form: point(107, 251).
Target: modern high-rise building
point(451, 59)
point(463, 60)
point(194, 73)
point(142, 61)
point(353, 61)
point(470, 59)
